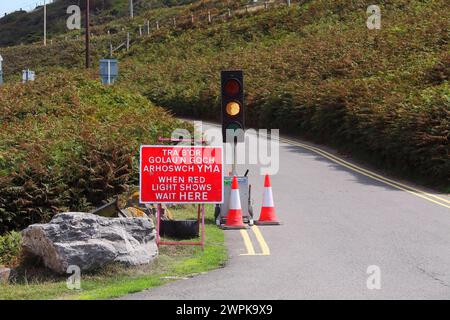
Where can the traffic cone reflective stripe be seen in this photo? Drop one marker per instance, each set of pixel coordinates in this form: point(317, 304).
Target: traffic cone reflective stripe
point(268, 198)
point(268, 215)
point(234, 217)
point(235, 202)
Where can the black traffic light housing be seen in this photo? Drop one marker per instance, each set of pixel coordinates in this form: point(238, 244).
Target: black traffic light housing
point(233, 109)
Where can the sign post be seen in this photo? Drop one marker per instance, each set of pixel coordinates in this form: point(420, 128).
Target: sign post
point(181, 174)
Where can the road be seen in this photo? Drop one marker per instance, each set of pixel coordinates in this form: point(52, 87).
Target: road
point(338, 219)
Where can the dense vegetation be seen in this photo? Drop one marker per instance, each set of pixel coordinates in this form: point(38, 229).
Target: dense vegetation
point(69, 143)
point(317, 71)
point(27, 27)
point(10, 247)
point(313, 70)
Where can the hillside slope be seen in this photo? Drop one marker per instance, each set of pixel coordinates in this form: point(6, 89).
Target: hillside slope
point(313, 70)
point(68, 143)
point(27, 27)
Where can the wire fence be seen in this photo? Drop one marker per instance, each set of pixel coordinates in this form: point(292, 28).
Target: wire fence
point(192, 20)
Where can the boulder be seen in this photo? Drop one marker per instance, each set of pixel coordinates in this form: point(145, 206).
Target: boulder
point(4, 275)
point(90, 242)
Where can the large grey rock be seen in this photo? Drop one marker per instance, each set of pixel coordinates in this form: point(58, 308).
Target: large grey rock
point(90, 242)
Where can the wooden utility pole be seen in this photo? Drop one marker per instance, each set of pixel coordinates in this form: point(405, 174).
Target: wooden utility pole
point(88, 33)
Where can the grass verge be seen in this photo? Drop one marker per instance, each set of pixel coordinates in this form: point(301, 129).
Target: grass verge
point(114, 281)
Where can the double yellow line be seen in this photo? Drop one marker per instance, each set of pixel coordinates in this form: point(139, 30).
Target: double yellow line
point(265, 251)
point(419, 193)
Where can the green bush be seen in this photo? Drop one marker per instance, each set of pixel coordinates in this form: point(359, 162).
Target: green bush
point(70, 143)
point(10, 247)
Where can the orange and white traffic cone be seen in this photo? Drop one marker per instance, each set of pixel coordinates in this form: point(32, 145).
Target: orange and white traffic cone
point(234, 217)
point(268, 215)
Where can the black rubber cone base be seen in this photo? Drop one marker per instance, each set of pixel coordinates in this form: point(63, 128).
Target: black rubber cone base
point(225, 227)
point(268, 223)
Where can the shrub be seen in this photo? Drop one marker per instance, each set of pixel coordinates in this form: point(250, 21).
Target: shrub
point(10, 248)
point(69, 143)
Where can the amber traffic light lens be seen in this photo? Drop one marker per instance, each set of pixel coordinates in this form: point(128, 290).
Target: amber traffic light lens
point(233, 108)
point(232, 87)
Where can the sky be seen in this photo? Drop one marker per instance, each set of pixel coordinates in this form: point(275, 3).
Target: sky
point(8, 6)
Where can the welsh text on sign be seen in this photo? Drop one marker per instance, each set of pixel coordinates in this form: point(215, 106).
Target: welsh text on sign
point(181, 174)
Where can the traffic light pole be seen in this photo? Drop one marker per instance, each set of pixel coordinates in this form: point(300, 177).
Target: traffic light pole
point(233, 115)
point(234, 166)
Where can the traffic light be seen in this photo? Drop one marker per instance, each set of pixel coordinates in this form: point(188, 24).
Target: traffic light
point(233, 115)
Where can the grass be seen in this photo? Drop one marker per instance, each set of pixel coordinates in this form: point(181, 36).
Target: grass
point(115, 281)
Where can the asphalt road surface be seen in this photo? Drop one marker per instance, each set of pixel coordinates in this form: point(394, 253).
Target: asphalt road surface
point(339, 219)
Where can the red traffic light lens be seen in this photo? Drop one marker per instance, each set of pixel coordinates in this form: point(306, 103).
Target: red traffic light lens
point(232, 87)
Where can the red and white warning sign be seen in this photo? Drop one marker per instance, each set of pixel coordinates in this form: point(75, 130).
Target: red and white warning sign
point(181, 174)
